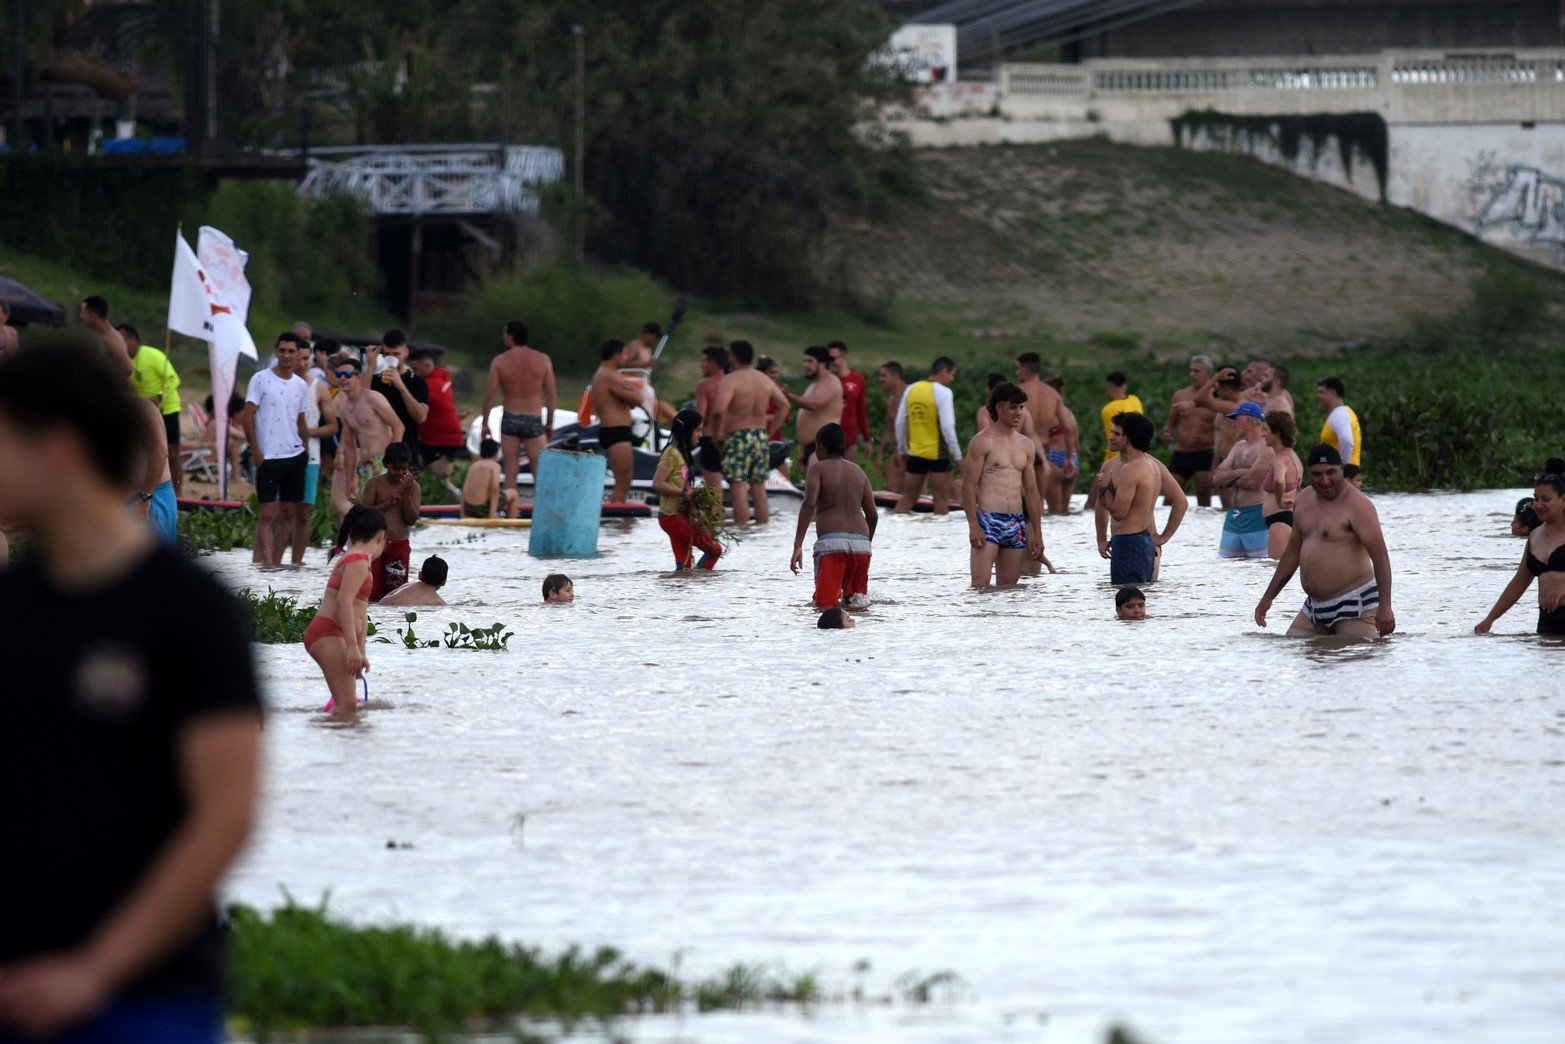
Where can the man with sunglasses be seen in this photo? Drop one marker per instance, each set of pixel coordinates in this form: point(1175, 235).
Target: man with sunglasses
point(276, 405)
point(369, 425)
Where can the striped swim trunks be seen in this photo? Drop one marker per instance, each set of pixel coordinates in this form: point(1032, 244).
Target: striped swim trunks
point(1355, 604)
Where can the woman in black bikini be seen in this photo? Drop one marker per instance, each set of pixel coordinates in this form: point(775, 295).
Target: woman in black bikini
point(1544, 557)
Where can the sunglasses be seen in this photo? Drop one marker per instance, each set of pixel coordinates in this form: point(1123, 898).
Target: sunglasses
point(343, 375)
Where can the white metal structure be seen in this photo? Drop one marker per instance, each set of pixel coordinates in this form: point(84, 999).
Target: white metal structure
point(436, 180)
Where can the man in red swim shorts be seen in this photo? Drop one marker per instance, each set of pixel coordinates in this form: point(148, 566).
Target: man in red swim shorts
point(838, 492)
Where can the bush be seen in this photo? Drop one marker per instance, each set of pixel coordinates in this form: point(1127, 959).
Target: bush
point(277, 619)
point(569, 311)
point(1508, 303)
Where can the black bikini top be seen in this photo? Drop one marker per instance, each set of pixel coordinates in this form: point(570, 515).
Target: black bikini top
point(1555, 564)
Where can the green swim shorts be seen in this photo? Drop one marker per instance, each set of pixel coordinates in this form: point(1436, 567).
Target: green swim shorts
point(746, 456)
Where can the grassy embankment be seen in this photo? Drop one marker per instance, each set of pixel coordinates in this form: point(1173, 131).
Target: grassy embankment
point(1098, 257)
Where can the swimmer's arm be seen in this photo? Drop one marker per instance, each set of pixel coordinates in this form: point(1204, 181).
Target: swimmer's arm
point(1032, 503)
point(411, 500)
point(977, 454)
point(247, 421)
point(812, 493)
point(382, 408)
point(1510, 596)
point(1178, 504)
point(490, 391)
point(1100, 518)
point(663, 480)
point(945, 410)
point(119, 354)
point(1254, 477)
point(1366, 523)
point(1287, 565)
point(551, 398)
point(219, 765)
point(623, 391)
point(871, 509)
point(1225, 474)
point(330, 425)
point(901, 425)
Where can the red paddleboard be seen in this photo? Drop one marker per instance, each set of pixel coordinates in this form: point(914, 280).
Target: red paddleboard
point(630, 509)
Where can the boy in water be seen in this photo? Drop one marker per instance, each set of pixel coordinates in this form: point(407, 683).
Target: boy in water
point(1000, 493)
point(1130, 604)
point(396, 495)
point(840, 492)
point(426, 589)
point(558, 589)
point(481, 488)
point(836, 619)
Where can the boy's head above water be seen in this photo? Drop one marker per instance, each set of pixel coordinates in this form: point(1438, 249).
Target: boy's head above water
point(557, 588)
point(1130, 604)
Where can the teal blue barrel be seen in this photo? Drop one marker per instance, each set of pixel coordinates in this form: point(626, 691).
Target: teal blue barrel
point(567, 504)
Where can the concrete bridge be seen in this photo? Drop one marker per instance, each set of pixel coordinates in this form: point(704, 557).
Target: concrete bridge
point(1473, 138)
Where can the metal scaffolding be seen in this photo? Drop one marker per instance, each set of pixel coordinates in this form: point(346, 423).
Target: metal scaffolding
point(436, 180)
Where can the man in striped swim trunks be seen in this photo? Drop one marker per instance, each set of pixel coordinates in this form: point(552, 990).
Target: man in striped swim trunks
point(1340, 554)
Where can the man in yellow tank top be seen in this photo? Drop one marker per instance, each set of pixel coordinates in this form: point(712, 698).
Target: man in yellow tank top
point(926, 438)
point(1341, 431)
point(1119, 402)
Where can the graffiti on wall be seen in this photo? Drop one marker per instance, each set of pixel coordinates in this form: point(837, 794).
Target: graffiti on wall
point(1528, 202)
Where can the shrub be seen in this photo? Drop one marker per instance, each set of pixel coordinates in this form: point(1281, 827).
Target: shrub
point(1508, 303)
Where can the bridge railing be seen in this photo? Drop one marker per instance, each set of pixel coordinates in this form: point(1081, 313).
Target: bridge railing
point(436, 179)
point(1403, 86)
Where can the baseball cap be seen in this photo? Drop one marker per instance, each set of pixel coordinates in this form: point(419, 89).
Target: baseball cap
point(1324, 454)
point(1249, 409)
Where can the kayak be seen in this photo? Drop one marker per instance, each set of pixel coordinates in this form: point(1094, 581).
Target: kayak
point(480, 523)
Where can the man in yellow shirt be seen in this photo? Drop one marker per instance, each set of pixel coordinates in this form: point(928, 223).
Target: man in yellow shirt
point(1341, 431)
point(153, 377)
point(1119, 402)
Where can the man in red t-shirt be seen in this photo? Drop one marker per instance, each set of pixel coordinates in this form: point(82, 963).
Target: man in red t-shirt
point(855, 416)
point(440, 436)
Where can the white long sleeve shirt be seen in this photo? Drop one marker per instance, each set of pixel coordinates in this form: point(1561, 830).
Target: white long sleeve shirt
point(945, 411)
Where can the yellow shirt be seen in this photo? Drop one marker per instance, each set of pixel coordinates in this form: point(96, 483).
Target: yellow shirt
point(923, 420)
point(153, 377)
point(1129, 404)
point(1328, 434)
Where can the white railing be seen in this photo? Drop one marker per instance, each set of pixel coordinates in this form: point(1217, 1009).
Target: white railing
point(436, 179)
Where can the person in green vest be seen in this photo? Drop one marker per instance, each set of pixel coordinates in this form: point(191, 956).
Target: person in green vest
point(154, 378)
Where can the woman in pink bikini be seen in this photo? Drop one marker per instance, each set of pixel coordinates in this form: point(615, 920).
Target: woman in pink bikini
point(1280, 487)
point(335, 638)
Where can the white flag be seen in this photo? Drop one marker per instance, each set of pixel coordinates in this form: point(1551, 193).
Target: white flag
point(225, 264)
point(197, 309)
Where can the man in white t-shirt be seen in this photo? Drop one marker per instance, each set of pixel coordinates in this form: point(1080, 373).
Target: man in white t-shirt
point(320, 422)
point(274, 420)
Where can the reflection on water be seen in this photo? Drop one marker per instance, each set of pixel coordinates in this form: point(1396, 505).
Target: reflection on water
point(1208, 830)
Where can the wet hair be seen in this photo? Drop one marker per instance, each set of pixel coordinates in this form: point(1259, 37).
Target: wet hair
point(1202, 360)
point(1117, 379)
point(610, 348)
point(128, 330)
point(294, 339)
point(1284, 425)
point(1005, 391)
point(743, 351)
point(516, 330)
point(1136, 428)
point(993, 381)
point(488, 449)
point(434, 571)
point(652, 328)
point(1333, 384)
point(358, 525)
point(396, 455)
point(554, 583)
point(1527, 515)
point(1280, 375)
point(682, 431)
point(1553, 475)
point(1128, 594)
point(393, 339)
point(830, 441)
point(832, 619)
point(1030, 361)
point(941, 365)
point(717, 353)
point(97, 305)
point(819, 354)
point(1057, 382)
point(71, 386)
point(894, 368)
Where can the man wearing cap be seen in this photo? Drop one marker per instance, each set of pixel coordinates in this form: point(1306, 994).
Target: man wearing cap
point(1243, 471)
point(1340, 554)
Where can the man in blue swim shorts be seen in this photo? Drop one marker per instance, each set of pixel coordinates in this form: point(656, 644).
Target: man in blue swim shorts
point(1000, 493)
point(1243, 471)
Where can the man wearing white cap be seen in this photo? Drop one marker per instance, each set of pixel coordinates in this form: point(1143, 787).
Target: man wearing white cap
point(1243, 471)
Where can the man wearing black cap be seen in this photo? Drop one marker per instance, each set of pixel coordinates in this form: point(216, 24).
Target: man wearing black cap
point(1340, 555)
point(1243, 471)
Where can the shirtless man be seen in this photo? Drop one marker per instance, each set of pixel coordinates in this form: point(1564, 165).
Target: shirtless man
point(1000, 493)
point(426, 589)
point(612, 398)
point(1067, 441)
point(1191, 427)
point(320, 423)
point(1222, 393)
point(523, 380)
point(1170, 491)
point(369, 425)
point(639, 360)
point(1129, 494)
point(714, 364)
point(154, 502)
point(1340, 554)
point(1244, 471)
point(481, 488)
point(742, 398)
point(821, 404)
point(95, 313)
point(893, 383)
point(838, 496)
point(1253, 381)
point(1278, 398)
point(775, 418)
point(1056, 471)
point(396, 495)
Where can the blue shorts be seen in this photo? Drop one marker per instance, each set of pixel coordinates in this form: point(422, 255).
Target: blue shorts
point(1132, 558)
point(1244, 533)
point(1056, 457)
point(312, 483)
point(1007, 531)
point(164, 514)
point(190, 1018)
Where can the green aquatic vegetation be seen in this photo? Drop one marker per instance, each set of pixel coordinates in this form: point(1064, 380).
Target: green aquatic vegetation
point(276, 618)
point(457, 636)
point(205, 530)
